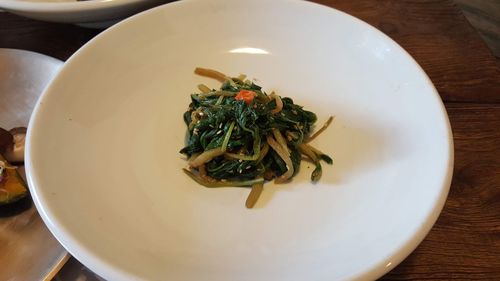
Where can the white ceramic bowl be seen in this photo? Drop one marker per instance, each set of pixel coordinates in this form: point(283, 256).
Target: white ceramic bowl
point(92, 13)
point(106, 174)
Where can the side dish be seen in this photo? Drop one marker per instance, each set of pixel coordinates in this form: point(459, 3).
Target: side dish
point(241, 136)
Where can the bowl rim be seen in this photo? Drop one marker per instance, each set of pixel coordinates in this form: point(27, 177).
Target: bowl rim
point(95, 262)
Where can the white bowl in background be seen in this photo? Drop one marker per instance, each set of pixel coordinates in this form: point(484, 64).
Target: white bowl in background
point(91, 13)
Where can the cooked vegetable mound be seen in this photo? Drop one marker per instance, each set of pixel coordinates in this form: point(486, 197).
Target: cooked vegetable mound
point(241, 136)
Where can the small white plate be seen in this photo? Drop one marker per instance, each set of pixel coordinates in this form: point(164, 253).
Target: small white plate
point(106, 174)
point(90, 13)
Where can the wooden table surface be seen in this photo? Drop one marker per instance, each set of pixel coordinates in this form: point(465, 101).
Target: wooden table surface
point(465, 242)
